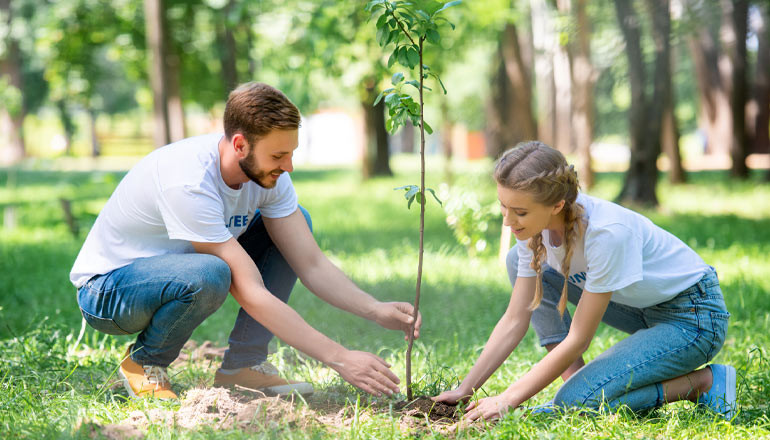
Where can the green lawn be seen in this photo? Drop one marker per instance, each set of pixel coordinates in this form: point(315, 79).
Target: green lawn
point(51, 388)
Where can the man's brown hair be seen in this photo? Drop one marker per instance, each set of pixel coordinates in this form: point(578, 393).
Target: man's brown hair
point(255, 109)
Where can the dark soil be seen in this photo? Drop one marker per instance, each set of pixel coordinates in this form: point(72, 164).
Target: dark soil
point(436, 411)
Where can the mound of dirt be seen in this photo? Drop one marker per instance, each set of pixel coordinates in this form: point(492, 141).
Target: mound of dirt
point(436, 411)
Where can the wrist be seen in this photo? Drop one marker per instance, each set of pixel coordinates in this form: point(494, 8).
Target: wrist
point(336, 357)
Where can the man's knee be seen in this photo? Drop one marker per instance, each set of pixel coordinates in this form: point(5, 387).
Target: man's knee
point(307, 217)
point(212, 280)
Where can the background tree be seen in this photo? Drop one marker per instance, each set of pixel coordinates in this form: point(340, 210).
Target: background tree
point(510, 118)
point(164, 69)
point(734, 31)
point(646, 113)
point(12, 109)
point(582, 92)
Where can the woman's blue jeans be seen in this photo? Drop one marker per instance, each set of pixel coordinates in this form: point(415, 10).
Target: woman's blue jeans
point(165, 298)
point(666, 341)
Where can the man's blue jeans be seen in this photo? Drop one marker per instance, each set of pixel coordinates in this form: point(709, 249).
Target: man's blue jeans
point(165, 298)
point(666, 340)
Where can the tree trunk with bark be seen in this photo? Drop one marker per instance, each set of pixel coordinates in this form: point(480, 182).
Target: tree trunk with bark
point(582, 94)
point(509, 112)
point(545, 87)
point(168, 115)
point(670, 131)
point(714, 118)
point(644, 131)
point(376, 160)
point(734, 30)
point(12, 147)
point(228, 49)
point(761, 98)
point(562, 78)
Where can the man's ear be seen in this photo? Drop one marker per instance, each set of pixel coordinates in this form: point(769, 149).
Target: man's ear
point(240, 145)
point(558, 207)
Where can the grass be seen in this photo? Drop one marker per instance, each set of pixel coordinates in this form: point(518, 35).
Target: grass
point(49, 387)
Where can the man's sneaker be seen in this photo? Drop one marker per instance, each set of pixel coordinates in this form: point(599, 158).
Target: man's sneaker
point(721, 397)
point(262, 377)
point(144, 380)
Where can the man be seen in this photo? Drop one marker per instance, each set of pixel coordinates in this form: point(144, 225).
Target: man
point(211, 214)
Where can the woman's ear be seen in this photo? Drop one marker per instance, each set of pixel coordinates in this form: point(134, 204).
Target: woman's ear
point(558, 207)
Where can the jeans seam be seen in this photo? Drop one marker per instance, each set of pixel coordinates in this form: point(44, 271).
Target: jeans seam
point(647, 361)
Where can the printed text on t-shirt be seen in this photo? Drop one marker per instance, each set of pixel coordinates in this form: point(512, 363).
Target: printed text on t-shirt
point(238, 221)
point(577, 278)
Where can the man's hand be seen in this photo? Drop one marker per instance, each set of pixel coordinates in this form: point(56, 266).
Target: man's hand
point(367, 371)
point(397, 316)
point(453, 397)
point(489, 408)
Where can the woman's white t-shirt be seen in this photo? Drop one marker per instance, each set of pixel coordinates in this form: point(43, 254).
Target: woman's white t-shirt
point(174, 196)
point(622, 252)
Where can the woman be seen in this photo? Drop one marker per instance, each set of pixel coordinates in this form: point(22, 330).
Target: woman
point(621, 269)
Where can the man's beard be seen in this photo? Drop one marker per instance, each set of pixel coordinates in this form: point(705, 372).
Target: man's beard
point(261, 178)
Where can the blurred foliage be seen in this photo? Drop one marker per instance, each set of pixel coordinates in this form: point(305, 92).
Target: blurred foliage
point(91, 54)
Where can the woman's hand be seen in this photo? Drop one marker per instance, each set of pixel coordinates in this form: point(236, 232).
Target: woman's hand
point(489, 408)
point(453, 397)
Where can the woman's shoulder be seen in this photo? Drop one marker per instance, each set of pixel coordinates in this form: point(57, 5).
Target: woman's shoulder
point(606, 216)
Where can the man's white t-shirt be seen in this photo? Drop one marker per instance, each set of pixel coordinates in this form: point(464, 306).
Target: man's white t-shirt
point(172, 197)
point(622, 252)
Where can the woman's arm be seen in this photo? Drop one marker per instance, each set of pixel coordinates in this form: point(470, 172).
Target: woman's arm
point(505, 337)
point(588, 314)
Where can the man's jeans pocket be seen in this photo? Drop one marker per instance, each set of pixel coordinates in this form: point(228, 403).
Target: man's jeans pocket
point(104, 325)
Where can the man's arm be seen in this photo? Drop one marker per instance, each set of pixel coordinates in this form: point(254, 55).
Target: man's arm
point(297, 244)
point(364, 370)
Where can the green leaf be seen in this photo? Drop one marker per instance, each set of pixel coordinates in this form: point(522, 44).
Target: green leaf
point(411, 192)
point(389, 125)
point(397, 78)
point(433, 36)
point(392, 58)
point(403, 187)
point(420, 198)
point(381, 21)
point(434, 196)
point(402, 57)
point(382, 36)
point(413, 57)
point(409, 205)
point(439, 81)
point(423, 15)
point(427, 127)
point(379, 97)
point(448, 5)
point(391, 99)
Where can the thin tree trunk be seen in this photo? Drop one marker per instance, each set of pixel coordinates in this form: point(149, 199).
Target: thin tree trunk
point(583, 103)
point(510, 118)
point(12, 147)
point(762, 84)
point(377, 155)
point(446, 141)
point(641, 177)
point(562, 76)
point(155, 24)
point(176, 124)
point(670, 131)
point(545, 88)
point(734, 40)
point(68, 125)
point(96, 148)
point(714, 118)
point(228, 49)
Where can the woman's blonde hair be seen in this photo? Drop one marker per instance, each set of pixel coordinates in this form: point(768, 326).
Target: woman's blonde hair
point(543, 172)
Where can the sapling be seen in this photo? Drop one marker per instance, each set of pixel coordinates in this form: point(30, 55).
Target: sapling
point(406, 26)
